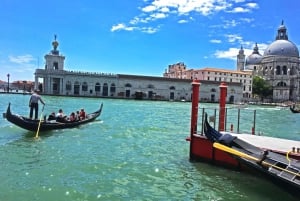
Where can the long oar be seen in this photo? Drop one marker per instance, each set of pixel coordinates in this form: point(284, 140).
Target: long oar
point(37, 132)
point(244, 155)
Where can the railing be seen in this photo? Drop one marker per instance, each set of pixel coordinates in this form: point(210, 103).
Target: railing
point(237, 119)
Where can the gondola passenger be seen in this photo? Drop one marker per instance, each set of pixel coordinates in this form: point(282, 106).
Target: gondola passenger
point(51, 116)
point(72, 117)
point(60, 116)
point(82, 114)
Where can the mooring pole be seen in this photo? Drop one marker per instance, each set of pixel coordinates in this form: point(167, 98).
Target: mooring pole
point(195, 103)
point(194, 112)
point(223, 94)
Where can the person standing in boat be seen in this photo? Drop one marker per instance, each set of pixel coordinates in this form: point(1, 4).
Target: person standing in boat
point(34, 104)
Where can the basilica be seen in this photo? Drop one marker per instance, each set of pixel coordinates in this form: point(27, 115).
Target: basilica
point(279, 66)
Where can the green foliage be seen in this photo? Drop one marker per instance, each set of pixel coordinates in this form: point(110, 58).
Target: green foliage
point(261, 88)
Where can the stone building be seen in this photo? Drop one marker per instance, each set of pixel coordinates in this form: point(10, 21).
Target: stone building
point(240, 82)
point(55, 80)
point(279, 65)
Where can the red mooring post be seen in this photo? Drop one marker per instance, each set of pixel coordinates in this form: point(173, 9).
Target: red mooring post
point(194, 113)
point(195, 102)
point(223, 94)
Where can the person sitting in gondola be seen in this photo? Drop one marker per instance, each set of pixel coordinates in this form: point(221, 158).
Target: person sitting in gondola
point(72, 117)
point(82, 114)
point(51, 116)
point(60, 116)
point(77, 116)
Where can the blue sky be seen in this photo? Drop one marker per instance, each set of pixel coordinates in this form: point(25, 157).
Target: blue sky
point(140, 37)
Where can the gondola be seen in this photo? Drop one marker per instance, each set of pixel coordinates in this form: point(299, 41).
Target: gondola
point(294, 110)
point(45, 125)
point(280, 169)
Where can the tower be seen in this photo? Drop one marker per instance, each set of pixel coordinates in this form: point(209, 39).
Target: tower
point(54, 61)
point(240, 62)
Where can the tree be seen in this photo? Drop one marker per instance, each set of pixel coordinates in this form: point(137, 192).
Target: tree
point(261, 88)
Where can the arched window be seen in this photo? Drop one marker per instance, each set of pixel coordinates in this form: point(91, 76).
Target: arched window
point(284, 70)
point(150, 86)
point(76, 88)
point(55, 65)
point(172, 88)
point(213, 90)
point(105, 89)
point(277, 70)
point(112, 88)
point(97, 87)
point(281, 84)
point(127, 85)
point(69, 86)
point(84, 86)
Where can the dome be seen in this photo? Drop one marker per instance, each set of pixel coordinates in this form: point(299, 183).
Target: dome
point(253, 59)
point(282, 48)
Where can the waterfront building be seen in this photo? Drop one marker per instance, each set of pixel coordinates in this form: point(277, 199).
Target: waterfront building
point(216, 75)
point(279, 66)
point(55, 80)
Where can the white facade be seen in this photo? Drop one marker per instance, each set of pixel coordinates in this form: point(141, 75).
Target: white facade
point(57, 81)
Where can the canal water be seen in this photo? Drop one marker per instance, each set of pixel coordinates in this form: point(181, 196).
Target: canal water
point(136, 150)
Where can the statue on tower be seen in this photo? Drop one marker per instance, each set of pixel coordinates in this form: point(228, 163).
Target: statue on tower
point(55, 45)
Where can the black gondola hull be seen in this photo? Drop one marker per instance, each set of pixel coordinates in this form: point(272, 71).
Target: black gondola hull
point(293, 110)
point(32, 125)
point(282, 171)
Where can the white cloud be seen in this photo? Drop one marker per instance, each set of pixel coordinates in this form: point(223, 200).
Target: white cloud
point(182, 21)
point(231, 53)
point(161, 9)
point(246, 8)
point(239, 1)
point(248, 20)
point(227, 54)
point(21, 59)
point(215, 41)
point(149, 30)
point(240, 10)
point(232, 38)
point(229, 23)
point(158, 15)
point(252, 5)
point(165, 10)
point(149, 8)
point(122, 27)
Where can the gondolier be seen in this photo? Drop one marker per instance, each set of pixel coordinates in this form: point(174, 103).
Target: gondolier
point(34, 104)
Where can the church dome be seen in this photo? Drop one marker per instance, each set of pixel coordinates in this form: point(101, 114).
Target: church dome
point(254, 58)
point(282, 48)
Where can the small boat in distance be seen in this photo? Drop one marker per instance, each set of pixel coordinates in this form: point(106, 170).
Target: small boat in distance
point(45, 125)
point(294, 110)
point(280, 169)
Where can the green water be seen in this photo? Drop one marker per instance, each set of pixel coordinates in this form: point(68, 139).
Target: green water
point(136, 150)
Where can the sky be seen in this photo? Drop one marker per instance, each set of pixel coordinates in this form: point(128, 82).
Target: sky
point(139, 37)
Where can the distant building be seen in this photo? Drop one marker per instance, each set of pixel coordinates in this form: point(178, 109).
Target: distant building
point(55, 80)
point(279, 65)
point(231, 77)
